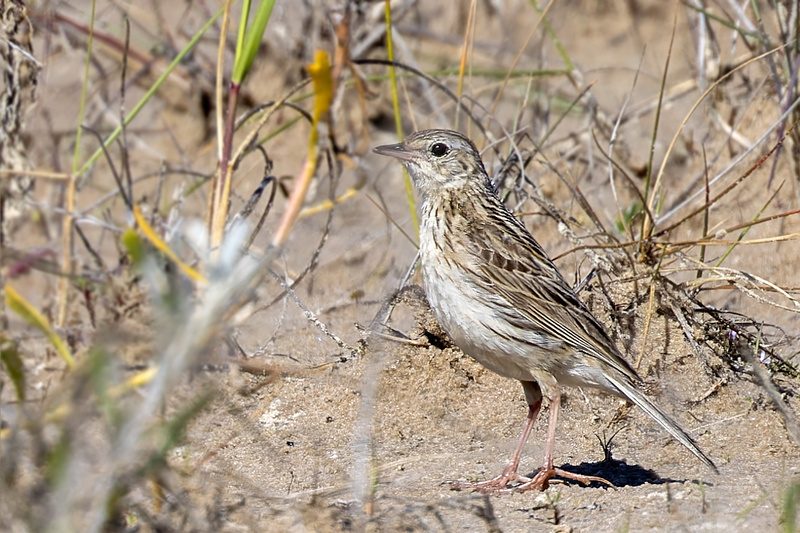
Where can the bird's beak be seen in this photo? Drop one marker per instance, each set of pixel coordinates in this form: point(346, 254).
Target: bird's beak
point(398, 151)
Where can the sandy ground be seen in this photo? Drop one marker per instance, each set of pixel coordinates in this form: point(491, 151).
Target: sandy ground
point(389, 423)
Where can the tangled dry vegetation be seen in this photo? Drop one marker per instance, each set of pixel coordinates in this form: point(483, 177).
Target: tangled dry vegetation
point(210, 320)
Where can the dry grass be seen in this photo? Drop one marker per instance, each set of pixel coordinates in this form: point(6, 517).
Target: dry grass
point(199, 269)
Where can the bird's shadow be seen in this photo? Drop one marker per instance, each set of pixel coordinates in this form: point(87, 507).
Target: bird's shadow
point(618, 473)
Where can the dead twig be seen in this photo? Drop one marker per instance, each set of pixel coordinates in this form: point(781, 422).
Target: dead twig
point(763, 379)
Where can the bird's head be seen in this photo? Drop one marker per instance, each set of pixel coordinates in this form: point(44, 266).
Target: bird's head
point(439, 159)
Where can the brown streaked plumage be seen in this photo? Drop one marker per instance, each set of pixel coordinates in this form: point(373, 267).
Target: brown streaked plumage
point(503, 301)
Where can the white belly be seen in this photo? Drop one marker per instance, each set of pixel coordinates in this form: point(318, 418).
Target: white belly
point(469, 322)
point(468, 314)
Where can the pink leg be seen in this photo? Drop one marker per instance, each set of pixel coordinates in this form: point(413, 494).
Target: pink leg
point(498, 484)
point(541, 480)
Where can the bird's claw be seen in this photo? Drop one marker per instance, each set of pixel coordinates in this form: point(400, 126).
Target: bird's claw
point(495, 486)
point(541, 481)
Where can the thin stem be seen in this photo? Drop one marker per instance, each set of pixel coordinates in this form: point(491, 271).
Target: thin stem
point(397, 120)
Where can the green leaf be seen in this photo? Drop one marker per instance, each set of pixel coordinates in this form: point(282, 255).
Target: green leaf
point(134, 246)
point(242, 28)
point(14, 366)
point(789, 511)
point(173, 431)
point(252, 40)
point(58, 458)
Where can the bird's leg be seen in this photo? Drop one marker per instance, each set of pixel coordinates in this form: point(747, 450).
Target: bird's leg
point(541, 480)
point(509, 475)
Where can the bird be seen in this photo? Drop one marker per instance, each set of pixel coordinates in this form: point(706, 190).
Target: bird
point(502, 300)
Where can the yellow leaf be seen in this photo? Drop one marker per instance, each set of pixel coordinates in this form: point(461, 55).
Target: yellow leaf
point(137, 380)
point(19, 305)
point(327, 204)
point(153, 237)
point(320, 71)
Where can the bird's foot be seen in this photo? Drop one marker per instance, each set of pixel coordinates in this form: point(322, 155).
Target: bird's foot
point(495, 486)
point(541, 480)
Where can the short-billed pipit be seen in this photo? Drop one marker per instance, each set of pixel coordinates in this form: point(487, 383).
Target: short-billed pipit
point(501, 299)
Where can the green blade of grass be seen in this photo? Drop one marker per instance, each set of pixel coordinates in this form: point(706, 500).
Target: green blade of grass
point(66, 258)
point(397, 120)
point(252, 40)
point(791, 499)
point(150, 92)
point(84, 91)
point(14, 366)
point(568, 64)
point(744, 231)
point(745, 34)
point(651, 195)
point(242, 29)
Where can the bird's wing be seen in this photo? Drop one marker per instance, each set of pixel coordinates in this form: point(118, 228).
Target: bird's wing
point(508, 261)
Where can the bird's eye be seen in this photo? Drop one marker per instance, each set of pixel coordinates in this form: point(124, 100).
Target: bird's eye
point(439, 149)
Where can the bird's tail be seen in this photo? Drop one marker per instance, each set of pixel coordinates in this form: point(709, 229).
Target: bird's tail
point(636, 396)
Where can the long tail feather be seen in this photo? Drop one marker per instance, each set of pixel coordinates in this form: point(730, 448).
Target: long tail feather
point(644, 403)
